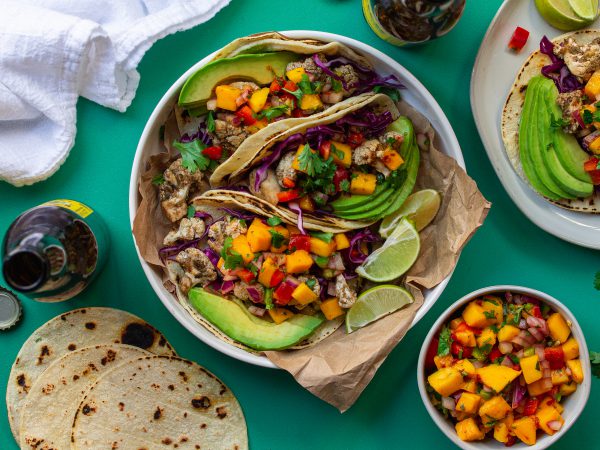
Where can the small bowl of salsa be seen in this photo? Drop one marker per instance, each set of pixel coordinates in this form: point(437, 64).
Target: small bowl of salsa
point(505, 366)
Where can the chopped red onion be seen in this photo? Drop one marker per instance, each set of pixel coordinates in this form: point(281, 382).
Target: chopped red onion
point(505, 347)
point(292, 281)
point(506, 362)
point(227, 287)
point(230, 276)
point(518, 394)
point(523, 324)
point(554, 425)
point(336, 262)
point(536, 334)
point(539, 351)
point(296, 208)
point(254, 294)
point(258, 312)
point(331, 289)
point(448, 403)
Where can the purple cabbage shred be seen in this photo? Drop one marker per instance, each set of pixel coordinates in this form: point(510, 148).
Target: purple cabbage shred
point(557, 70)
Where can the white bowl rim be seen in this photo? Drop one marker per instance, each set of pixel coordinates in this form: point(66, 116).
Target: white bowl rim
point(545, 440)
point(167, 299)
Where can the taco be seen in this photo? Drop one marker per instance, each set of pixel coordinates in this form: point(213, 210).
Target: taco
point(550, 123)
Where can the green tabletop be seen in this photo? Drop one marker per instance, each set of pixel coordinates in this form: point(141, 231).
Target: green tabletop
point(508, 249)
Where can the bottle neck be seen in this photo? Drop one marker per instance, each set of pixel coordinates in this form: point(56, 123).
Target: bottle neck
point(26, 268)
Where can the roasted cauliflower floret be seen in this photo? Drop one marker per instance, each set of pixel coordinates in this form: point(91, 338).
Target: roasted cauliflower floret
point(268, 189)
point(178, 184)
point(191, 268)
point(348, 75)
point(581, 59)
point(345, 294)
point(228, 227)
point(286, 170)
point(569, 103)
point(366, 153)
point(188, 230)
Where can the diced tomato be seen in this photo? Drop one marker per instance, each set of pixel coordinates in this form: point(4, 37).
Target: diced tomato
point(555, 357)
point(431, 353)
point(246, 114)
point(290, 86)
point(494, 354)
point(341, 174)
point(287, 196)
point(536, 312)
point(461, 351)
point(276, 278)
point(297, 112)
point(288, 182)
point(518, 39)
point(299, 242)
point(355, 139)
point(245, 275)
point(512, 440)
point(531, 405)
point(283, 293)
point(215, 152)
point(275, 86)
point(591, 167)
point(325, 149)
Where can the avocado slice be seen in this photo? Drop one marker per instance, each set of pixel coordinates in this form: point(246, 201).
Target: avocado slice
point(526, 133)
point(374, 202)
point(260, 68)
point(349, 203)
point(239, 324)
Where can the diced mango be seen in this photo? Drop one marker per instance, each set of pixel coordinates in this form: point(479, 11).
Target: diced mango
point(341, 241)
point(280, 315)
point(468, 403)
point(497, 377)
point(545, 415)
point(576, 370)
point(571, 348)
point(392, 159)
point(446, 381)
point(258, 99)
point(470, 386)
point(466, 338)
point(481, 316)
point(466, 366)
point(592, 87)
point(267, 270)
point(530, 366)
point(337, 148)
point(240, 244)
point(259, 237)
point(493, 304)
point(295, 75)
point(567, 389)
point(538, 388)
point(594, 146)
point(467, 430)
point(495, 408)
point(487, 337)
point(507, 333)
point(454, 323)
point(443, 361)
point(331, 308)
point(558, 328)
point(560, 376)
point(306, 204)
point(320, 247)
point(286, 235)
point(525, 429)
point(303, 294)
point(310, 102)
point(298, 262)
point(502, 428)
point(363, 183)
point(549, 402)
point(227, 96)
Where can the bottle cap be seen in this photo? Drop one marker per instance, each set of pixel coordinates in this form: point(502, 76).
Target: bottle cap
point(10, 309)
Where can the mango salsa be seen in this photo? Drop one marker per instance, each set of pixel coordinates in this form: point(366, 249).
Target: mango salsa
point(446, 381)
point(331, 308)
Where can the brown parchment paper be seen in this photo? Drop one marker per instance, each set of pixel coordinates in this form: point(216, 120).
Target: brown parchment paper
point(339, 368)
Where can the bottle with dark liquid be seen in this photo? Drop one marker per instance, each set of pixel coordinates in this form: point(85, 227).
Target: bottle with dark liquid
point(402, 22)
point(53, 251)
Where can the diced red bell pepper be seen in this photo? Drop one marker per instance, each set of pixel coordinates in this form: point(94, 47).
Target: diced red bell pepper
point(518, 39)
point(431, 354)
point(288, 182)
point(297, 112)
point(275, 86)
point(246, 275)
point(214, 152)
point(288, 196)
point(591, 167)
point(531, 405)
point(460, 351)
point(555, 357)
point(290, 85)
point(536, 312)
point(355, 139)
point(341, 174)
point(299, 242)
point(283, 293)
point(325, 149)
point(495, 354)
point(276, 278)
point(246, 114)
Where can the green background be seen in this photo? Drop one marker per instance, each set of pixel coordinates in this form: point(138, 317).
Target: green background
point(508, 249)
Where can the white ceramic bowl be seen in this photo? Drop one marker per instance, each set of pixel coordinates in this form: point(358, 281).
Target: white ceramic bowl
point(573, 404)
point(415, 94)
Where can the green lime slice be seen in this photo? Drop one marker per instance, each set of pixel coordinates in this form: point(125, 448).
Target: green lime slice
point(376, 303)
point(420, 207)
point(398, 253)
point(586, 9)
point(560, 14)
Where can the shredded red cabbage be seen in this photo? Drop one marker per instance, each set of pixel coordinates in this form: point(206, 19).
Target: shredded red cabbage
point(235, 188)
point(374, 123)
point(172, 250)
point(201, 134)
point(202, 215)
point(261, 172)
point(355, 254)
point(212, 255)
point(296, 208)
point(557, 71)
point(238, 214)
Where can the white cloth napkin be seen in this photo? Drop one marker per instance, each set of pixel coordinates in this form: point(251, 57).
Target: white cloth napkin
point(52, 51)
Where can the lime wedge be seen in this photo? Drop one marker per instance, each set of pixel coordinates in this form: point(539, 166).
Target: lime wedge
point(397, 254)
point(420, 207)
point(586, 9)
point(561, 15)
point(376, 303)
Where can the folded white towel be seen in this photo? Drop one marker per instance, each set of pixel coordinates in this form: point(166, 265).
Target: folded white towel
point(52, 51)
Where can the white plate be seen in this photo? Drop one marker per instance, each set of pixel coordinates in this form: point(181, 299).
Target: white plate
point(415, 94)
point(494, 72)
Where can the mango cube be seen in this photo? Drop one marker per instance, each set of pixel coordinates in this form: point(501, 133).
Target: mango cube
point(487, 337)
point(548, 414)
point(576, 370)
point(571, 348)
point(258, 99)
point(392, 159)
point(267, 270)
point(465, 366)
point(331, 308)
point(495, 408)
point(558, 328)
point(467, 430)
point(320, 247)
point(502, 428)
point(363, 183)
point(342, 153)
point(507, 333)
point(525, 429)
point(470, 386)
point(482, 315)
point(298, 262)
point(303, 294)
point(560, 376)
point(310, 102)
point(227, 96)
point(446, 381)
point(497, 377)
point(538, 388)
point(280, 315)
point(443, 361)
point(531, 369)
point(466, 338)
point(341, 241)
point(592, 87)
point(468, 403)
point(259, 237)
point(240, 244)
point(567, 389)
point(295, 75)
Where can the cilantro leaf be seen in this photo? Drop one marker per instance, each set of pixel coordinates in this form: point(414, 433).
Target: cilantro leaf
point(559, 123)
point(595, 359)
point(269, 298)
point(159, 179)
point(345, 185)
point(191, 211)
point(481, 353)
point(325, 237)
point(232, 259)
point(311, 283)
point(273, 112)
point(191, 154)
point(336, 85)
point(445, 341)
point(274, 221)
point(337, 152)
point(320, 172)
point(305, 85)
point(309, 162)
point(276, 238)
point(489, 314)
point(392, 93)
point(297, 93)
point(587, 116)
point(597, 279)
point(210, 122)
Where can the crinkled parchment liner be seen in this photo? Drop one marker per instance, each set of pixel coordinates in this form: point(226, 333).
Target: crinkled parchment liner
point(339, 368)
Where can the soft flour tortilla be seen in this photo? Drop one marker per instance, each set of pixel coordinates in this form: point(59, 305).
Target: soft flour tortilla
point(50, 406)
point(159, 402)
point(511, 118)
point(68, 332)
